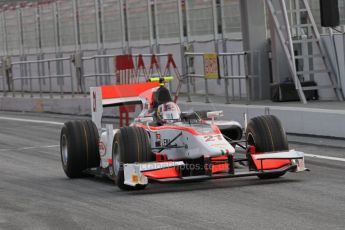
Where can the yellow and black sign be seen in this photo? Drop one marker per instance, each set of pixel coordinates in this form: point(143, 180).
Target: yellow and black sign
point(211, 67)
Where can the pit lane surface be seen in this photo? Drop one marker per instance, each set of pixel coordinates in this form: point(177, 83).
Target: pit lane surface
point(35, 193)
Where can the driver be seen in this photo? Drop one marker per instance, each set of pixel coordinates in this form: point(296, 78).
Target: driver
point(168, 113)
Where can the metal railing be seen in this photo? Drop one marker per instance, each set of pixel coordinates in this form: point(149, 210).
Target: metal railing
point(2, 85)
point(6, 75)
point(103, 72)
point(41, 76)
point(233, 70)
point(2, 79)
point(76, 74)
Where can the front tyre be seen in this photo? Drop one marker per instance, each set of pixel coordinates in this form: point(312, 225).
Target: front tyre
point(79, 147)
point(130, 145)
point(267, 135)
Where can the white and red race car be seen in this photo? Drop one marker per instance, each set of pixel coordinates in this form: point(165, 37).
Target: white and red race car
point(164, 144)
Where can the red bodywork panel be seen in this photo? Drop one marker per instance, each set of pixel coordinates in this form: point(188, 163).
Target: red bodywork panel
point(174, 172)
point(220, 158)
point(267, 164)
point(271, 164)
point(162, 173)
point(217, 168)
point(220, 168)
point(130, 90)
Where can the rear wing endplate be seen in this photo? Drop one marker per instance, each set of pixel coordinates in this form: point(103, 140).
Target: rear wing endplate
point(116, 95)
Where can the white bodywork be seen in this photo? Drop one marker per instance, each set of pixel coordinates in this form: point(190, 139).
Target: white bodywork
point(134, 172)
point(106, 145)
point(191, 146)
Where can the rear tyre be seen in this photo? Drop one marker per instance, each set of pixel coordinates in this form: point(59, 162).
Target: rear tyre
point(267, 135)
point(79, 147)
point(130, 145)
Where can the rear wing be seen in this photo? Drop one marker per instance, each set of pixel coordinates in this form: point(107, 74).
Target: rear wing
point(117, 95)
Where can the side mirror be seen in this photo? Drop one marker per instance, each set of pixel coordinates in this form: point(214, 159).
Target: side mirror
point(214, 114)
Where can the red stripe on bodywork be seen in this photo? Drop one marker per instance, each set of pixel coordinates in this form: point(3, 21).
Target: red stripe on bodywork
point(129, 90)
point(220, 168)
point(187, 129)
point(158, 157)
point(219, 158)
point(162, 173)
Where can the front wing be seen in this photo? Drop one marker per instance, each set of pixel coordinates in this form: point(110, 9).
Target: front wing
point(164, 172)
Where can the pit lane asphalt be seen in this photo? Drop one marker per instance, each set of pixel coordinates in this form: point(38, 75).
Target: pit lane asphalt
point(35, 193)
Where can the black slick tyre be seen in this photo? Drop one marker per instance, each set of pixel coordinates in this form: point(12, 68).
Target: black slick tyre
point(79, 147)
point(130, 145)
point(267, 135)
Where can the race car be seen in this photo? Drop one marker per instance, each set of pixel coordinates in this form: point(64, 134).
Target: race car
point(164, 144)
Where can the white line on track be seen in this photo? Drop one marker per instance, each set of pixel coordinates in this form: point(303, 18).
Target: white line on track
point(31, 147)
point(325, 157)
point(31, 121)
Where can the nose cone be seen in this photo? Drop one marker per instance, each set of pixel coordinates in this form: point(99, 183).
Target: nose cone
point(217, 146)
point(222, 149)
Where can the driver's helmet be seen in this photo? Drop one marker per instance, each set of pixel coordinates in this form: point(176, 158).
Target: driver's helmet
point(168, 112)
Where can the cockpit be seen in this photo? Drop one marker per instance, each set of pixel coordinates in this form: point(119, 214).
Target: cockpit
point(168, 113)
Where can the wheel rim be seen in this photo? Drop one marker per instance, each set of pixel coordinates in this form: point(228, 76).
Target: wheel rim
point(116, 159)
point(250, 139)
point(64, 150)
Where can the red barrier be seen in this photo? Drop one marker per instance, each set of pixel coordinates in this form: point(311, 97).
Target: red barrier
point(154, 65)
point(124, 69)
point(128, 73)
point(141, 67)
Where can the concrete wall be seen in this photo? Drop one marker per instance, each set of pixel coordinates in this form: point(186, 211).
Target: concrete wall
point(298, 120)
